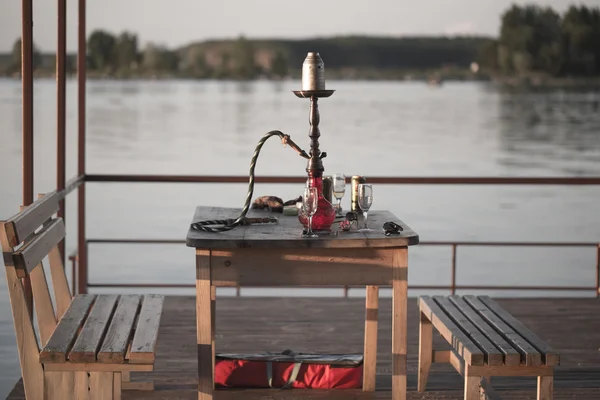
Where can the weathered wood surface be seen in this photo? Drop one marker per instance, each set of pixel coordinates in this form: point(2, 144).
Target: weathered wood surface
point(143, 346)
point(32, 254)
point(570, 326)
point(104, 331)
point(287, 232)
point(65, 334)
point(26, 222)
point(119, 332)
point(92, 334)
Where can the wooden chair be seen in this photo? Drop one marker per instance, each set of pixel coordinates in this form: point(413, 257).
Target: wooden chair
point(486, 341)
point(89, 343)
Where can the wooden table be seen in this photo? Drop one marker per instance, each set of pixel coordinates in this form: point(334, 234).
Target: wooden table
point(277, 255)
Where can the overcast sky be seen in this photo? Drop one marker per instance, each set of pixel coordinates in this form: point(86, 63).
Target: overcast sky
point(177, 22)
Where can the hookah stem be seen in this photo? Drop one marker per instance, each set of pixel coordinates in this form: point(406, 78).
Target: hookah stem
point(228, 224)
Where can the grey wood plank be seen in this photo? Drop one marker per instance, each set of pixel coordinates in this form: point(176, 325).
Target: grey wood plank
point(243, 326)
point(120, 331)
point(455, 336)
point(529, 355)
point(287, 233)
point(511, 356)
point(32, 254)
point(63, 337)
point(90, 338)
point(493, 356)
point(549, 355)
point(143, 346)
point(23, 224)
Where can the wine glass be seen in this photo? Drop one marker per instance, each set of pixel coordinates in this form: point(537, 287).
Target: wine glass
point(310, 202)
point(339, 188)
point(365, 199)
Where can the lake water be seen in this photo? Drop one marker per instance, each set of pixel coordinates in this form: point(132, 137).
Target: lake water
point(368, 128)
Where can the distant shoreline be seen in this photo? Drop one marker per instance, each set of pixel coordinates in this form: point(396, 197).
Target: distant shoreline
point(431, 77)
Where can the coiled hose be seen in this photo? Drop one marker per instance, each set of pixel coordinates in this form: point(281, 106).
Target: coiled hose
point(222, 225)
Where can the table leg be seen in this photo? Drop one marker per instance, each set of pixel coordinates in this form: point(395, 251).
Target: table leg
point(213, 310)
point(370, 351)
point(204, 322)
point(399, 322)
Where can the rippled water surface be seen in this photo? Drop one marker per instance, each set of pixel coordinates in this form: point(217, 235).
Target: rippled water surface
point(368, 128)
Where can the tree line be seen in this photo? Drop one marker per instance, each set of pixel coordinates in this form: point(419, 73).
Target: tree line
point(537, 39)
point(532, 40)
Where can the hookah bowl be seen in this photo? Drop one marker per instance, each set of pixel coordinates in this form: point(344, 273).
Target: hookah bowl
point(313, 87)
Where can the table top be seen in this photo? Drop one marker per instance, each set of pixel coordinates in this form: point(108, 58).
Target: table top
point(287, 232)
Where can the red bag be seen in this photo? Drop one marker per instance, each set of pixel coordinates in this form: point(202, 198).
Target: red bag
point(288, 370)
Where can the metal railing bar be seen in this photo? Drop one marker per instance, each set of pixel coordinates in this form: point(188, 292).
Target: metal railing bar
point(71, 185)
point(391, 180)
point(413, 287)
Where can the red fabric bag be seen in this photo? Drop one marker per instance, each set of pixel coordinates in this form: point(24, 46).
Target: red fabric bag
point(288, 370)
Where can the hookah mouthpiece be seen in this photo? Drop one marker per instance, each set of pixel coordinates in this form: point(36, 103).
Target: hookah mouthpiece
point(313, 72)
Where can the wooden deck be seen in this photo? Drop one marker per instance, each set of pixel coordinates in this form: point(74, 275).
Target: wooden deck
point(571, 326)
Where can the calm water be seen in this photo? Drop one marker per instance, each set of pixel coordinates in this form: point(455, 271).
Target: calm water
point(384, 128)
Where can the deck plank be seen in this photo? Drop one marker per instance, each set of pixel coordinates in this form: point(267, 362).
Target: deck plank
point(570, 326)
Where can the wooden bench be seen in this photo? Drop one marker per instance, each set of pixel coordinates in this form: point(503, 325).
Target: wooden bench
point(89, 343)
point(486, 341)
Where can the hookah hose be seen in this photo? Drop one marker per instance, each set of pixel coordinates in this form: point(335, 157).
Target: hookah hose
point(222, 225)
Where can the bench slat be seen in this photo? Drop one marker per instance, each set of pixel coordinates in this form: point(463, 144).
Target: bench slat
point(143, 347)
point(549, 355)
point(27, 221)
point(493, 356)
point(120, 330)
point(448, 329)
point(511, 356)
point(65, 333)
point(32, 254)
point(90, 338)
point(529, 355)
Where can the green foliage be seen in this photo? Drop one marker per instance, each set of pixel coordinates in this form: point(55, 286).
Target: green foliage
point(15, 58)
point(126, 51)
point(101, 51)
point(279, 65)
point(244, 66)
point(534, 39)
point(157, 58)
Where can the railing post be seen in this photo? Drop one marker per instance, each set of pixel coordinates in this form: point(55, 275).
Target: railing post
point(598, 271)
point(27, 116)
point(453, 278)
point(61, 84)
point(81, 76)
point(345, 291)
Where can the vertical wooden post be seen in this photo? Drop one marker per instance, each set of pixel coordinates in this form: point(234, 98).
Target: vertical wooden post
point(61, 84)
point(598, 271)
point(27, 115)
point(453, 280)
point(399, 322)
point(204, 328)
point(82, 272)
point(425, 351)
point(370, 345)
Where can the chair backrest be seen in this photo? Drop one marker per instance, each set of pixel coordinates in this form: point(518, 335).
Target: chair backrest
point(27, 238)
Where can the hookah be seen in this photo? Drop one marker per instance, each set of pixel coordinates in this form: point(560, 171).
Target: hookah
point(313, 87)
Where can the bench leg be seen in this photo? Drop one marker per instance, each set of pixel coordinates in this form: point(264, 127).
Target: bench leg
point(117, 382)
point(545, 388)
point(472, 384)
point(101, 385)
point(425, 351)
point(127, 384)
point(59, 385)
